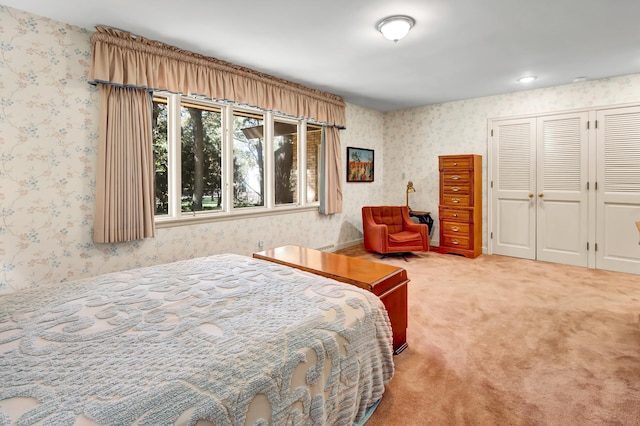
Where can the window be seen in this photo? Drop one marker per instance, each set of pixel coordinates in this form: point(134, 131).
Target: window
point(314, 136)
point(213, 159)
point(201, 155)
point(285, 143)
point(248, 160)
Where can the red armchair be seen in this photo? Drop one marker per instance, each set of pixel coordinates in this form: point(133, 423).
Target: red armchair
point(389, 229)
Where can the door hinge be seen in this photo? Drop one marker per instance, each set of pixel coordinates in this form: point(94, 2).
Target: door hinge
point(596, 246)
point(587, 186)
point(588, 124)
point(596, 186)
point(596, 126)
point(491, 237)
point(491, 184)
point(587, 246)
point(491, 132)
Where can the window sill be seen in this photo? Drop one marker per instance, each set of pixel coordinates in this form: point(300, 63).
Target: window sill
point(246, 213)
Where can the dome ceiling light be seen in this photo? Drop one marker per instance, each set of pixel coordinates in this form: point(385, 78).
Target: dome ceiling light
point(395, 27)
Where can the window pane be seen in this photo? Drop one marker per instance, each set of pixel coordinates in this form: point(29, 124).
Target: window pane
point(314, 133)
point(285, 154)
point(160, 183)
point(201, 133)
point(248, 159)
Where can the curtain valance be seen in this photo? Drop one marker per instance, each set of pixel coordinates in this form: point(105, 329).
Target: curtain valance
point(123, 59)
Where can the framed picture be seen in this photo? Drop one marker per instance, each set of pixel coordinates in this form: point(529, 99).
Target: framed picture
point(359, 165)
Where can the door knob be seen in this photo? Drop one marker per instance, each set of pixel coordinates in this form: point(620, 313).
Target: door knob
point(530, 195)
point(541, 195)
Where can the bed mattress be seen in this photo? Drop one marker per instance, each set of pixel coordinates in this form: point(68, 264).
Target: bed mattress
point(224, 340)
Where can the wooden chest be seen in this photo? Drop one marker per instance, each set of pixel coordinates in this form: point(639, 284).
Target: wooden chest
point(460, 210)
point(387, 282)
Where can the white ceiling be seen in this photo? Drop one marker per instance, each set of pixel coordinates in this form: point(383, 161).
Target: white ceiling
point(458, 49)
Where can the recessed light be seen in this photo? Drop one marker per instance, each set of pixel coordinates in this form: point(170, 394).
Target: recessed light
point(527, 79)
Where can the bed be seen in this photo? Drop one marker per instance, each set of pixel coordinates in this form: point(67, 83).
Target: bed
point(224, 340)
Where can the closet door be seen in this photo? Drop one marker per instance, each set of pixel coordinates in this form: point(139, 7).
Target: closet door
point(618, 191)
point(513, 182)
point(561, 189)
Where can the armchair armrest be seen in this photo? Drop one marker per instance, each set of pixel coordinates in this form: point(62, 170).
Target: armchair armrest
point(420, 228)
point(376, 235)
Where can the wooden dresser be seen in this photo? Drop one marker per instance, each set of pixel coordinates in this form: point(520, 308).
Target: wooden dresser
point(461, 204)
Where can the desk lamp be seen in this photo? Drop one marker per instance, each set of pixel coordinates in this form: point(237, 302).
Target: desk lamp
point(410, 188)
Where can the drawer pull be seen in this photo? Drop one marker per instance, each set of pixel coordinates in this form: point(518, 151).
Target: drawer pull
point(455, 188)
point(455, 228)
point(456, 242)
point(455, 215)
point(455, 164)
point(455, 200)
point(455, 177)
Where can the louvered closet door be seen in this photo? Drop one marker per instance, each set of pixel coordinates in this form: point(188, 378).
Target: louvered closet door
point(618, 193)
point(513, 177)
point(562, 196)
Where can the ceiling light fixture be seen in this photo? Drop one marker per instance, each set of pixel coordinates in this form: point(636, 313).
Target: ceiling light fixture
point(527, 79)
point(395, 27)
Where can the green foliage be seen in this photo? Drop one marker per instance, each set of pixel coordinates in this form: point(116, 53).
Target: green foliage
point(160, 157)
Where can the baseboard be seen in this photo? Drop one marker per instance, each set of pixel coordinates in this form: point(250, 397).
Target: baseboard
point(340, 246)
point(348, 244)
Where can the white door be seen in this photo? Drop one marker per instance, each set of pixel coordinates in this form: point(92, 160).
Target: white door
point(561, 189)
point(618, 191)
point(513, 182)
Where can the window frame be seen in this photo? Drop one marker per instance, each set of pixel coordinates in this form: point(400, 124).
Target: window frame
point(176, 217)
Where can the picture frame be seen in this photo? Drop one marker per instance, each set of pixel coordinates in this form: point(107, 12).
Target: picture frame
point(360, 164)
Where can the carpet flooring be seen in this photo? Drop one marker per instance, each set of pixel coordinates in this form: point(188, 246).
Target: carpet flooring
point(504, 341)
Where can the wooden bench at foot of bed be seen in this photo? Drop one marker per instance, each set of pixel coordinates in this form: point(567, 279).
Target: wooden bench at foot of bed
point(387, 282)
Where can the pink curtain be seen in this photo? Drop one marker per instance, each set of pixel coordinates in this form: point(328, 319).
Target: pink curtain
point(123, 59)
point(124, 182)
point(331, 193)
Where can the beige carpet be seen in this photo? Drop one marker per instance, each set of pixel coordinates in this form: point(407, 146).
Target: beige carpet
point(504, 341)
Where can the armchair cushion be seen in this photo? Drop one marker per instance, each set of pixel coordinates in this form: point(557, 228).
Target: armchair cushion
point(405, 237)
point(389, 229)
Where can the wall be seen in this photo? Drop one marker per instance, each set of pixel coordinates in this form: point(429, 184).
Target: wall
point(48, 154)
point(414, 138)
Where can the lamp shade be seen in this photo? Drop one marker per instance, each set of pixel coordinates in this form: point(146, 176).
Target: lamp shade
point(395, 27)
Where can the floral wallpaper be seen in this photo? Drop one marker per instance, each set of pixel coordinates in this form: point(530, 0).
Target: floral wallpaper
point(48, 154)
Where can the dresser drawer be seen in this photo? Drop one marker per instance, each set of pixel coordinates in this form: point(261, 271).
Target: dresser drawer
point(451, 178)
point(455, 241)
point(454, 215)
point(454, 162)
point(456, 188)
point(455, 228)
point(455, 200)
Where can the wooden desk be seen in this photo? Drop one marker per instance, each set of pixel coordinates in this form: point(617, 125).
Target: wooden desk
point(387, 282)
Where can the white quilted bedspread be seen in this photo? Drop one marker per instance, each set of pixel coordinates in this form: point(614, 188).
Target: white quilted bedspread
point(226, 339)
